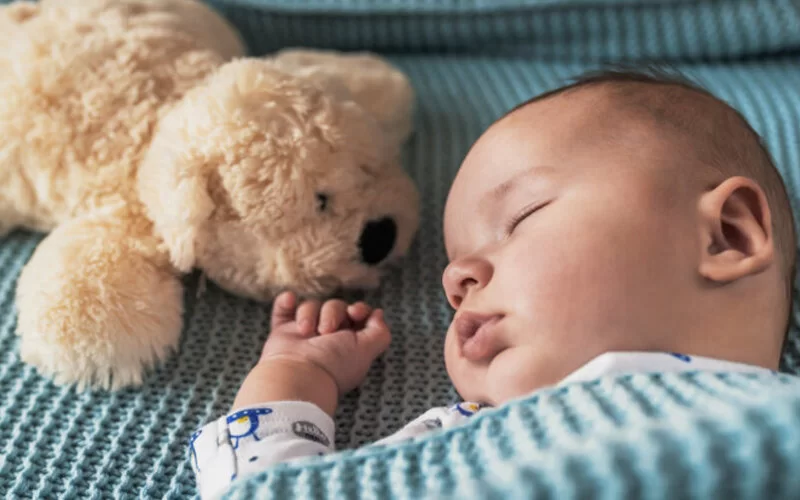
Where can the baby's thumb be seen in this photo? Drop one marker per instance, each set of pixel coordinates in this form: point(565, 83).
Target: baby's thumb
point(375, 336)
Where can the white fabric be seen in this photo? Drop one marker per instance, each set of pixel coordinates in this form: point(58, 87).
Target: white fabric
point(254, 438)
point(621, 363)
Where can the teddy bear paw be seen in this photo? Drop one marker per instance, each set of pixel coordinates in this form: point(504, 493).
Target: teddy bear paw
point(99, 346)
point(93, 311)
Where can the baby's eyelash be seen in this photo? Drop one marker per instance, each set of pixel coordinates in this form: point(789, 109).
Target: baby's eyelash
point(522, 215)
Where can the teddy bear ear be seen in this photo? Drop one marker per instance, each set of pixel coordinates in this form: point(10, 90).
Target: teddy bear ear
point(378, 87)
point(173, 186)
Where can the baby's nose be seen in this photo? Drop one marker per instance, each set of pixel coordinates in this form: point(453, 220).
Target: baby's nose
point(463, 274)
point(377, 240)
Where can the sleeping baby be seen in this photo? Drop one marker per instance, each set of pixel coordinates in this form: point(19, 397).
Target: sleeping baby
point(625, 223)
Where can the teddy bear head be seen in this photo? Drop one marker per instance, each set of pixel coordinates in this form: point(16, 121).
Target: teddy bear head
point(266, 182)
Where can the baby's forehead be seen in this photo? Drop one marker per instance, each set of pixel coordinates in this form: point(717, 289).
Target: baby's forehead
point(668, 109)
point(692, 128)
point(660, 119)
point(672, 110)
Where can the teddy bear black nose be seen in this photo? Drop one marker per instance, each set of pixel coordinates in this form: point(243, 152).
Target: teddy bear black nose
point(377, 240)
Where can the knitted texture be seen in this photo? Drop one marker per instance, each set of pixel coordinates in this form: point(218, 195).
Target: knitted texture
point(644, 436)
point(576, 30)
point(56, 442)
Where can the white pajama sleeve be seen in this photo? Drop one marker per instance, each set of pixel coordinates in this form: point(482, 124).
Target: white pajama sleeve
point(253, 438)
point(433, 419)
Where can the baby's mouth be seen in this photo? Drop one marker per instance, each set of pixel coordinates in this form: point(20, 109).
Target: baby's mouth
point(477, 335)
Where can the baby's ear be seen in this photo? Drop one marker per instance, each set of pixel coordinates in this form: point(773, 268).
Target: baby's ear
point(736, 227)
point(173, 185)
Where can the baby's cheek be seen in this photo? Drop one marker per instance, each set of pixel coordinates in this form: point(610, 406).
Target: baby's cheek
point(569, 288)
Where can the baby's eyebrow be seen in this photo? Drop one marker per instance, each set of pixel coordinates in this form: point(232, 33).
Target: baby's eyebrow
point(502, 190)
point(488, 202)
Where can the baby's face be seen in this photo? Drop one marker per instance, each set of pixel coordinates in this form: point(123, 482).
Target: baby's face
point(567, 237)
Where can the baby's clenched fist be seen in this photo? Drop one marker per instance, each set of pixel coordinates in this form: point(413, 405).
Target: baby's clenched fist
point(341, 339)
point(314, 345)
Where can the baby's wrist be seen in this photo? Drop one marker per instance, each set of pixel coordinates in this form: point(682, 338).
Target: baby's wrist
point(287, 379)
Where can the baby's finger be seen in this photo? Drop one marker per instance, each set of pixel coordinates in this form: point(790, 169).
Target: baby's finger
point(333, 316)
point(283, 309)
point(359, 312)
point(375, 337)
point(308, 317)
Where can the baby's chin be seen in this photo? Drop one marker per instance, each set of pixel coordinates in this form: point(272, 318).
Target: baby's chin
point(479, 384)
point(513, 374)
point(507, 394)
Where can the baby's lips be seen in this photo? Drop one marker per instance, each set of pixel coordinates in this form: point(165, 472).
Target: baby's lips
point(477, 335)
point(467, 324)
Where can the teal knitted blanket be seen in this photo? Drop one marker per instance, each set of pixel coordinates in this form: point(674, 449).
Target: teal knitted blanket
point(702, 436)
point(708, 436)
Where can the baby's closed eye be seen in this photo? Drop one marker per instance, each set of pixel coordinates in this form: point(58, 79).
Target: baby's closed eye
point(523, 214)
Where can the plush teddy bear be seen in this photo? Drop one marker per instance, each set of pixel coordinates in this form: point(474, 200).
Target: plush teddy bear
point(134, 133)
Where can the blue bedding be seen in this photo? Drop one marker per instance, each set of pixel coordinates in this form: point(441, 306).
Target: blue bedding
point(670, 436)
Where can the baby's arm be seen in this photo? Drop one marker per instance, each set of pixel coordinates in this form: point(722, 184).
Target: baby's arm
point(284, 408)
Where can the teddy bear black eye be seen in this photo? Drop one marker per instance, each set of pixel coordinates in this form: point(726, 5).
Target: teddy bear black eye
point(322, 201)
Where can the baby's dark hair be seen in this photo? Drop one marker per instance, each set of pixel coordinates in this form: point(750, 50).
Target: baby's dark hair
point(723, 139)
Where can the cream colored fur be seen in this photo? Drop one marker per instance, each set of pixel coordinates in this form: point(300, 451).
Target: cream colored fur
point(135, 132)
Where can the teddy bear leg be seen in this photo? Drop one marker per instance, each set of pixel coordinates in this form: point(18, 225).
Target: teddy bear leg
point(96, 307)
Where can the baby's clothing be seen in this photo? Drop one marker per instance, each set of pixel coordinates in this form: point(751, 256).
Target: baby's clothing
point(254, 438)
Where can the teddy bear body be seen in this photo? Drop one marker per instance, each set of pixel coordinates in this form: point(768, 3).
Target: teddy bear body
point(83, 86)
point(135, 133)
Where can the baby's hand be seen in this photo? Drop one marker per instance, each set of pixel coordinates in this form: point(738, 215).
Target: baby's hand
point(341, 339)
point(315, 352)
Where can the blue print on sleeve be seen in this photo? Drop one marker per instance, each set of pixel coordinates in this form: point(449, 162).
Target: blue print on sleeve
point(468, 409)
point(192, 439)
point(682, 357)
point(245, 423)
